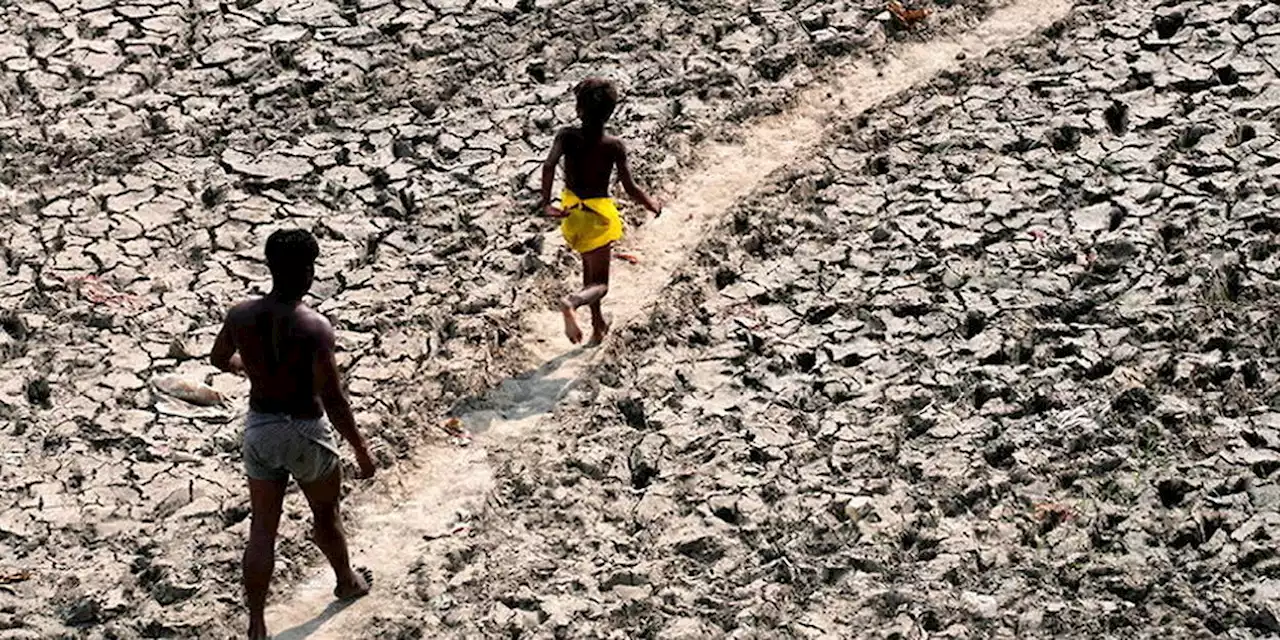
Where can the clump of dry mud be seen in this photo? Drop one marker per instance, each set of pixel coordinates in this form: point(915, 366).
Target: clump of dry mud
point(149, 149)
point(1001, 361)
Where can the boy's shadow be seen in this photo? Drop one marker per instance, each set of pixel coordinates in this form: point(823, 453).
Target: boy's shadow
point(533, 393)
point(304, 630)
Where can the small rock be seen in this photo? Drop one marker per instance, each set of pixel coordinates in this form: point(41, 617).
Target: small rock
point(625, 577)
point(81, 611)
point(859, 507)
point(166, 592)
point(632, 410)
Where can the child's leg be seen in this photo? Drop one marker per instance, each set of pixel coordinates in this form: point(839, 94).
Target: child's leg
point(595, 284)
point(598, 276)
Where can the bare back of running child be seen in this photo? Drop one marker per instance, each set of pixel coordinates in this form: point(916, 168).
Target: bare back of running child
point(590, 221)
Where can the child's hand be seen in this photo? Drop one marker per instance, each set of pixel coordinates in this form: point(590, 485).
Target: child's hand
point(552, 212)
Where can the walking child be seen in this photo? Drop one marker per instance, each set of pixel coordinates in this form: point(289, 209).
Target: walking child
point(589, 219)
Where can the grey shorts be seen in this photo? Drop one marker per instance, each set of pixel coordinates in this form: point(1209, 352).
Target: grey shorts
point(277, 446)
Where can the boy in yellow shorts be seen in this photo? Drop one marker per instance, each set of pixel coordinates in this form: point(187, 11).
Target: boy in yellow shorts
point(589, 219)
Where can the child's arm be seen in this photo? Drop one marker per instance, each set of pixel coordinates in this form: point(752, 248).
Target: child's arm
point(549, 176)
point(629, 184)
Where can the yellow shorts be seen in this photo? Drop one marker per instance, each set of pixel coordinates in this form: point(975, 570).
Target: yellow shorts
point(592, 223)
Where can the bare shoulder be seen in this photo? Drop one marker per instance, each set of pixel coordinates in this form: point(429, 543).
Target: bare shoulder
point(314, 325)
point(242, 312)
point(616, 146)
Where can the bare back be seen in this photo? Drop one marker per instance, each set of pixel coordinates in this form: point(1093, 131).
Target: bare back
point(589, 162)
point(279, 344)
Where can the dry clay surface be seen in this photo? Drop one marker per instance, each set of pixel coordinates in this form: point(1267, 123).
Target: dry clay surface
point(437, 494)
point(1000, 361)
point(148, 150)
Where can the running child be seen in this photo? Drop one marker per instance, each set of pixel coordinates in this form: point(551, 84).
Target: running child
point(589, 219)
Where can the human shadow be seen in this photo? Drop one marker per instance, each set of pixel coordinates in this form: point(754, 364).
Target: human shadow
point(532, 393)
point(304, 630)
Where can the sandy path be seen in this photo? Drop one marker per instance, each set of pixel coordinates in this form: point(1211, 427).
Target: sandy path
point(433, 496)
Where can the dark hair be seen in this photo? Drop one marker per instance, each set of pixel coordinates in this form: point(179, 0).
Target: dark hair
point(597, 99)
point(291, 251)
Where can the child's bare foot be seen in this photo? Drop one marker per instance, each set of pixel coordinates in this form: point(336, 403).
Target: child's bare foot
point(598, 332)
point(361, 581)
point(571, 329)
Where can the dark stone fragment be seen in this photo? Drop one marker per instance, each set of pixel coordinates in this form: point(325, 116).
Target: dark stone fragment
point(14, 325)
point(805, 361)
point(728, 514)
point(1117, 117)
point(38, 392)
point(1021, 145)
point(234, 515)
point(1196, 85)
point(704, 548)
point(1191, 136)
point(1251, 373)
point(1117, 218)
point(425, 106)
point(1137, 81)
point(1263, 620)
point(81, 612)
point(773, 66)
point(537, 69)
point(879, 166)
point(1173, 491)
point(917, 426)
point(1243, 133)
point(725, 277)
point(1065, 138)
point(1255, 556)
point(1134, 401)
point(402, 148)
point(1100, 369)
point(1000, 454)
point(632, 410)
point(1167, 25)
point(820, 314)
point(642, 472)
point(974, 323)
point(212, 195)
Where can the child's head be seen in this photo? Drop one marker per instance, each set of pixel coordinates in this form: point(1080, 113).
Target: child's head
point(597, 99)
point(291, 256)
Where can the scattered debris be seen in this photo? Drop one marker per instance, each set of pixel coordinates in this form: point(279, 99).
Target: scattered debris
point(908, 18)
point(196, 393)
point(457, 432)
point(94, 290)
point(14, 577)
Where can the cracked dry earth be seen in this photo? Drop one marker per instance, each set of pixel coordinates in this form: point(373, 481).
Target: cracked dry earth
point(1000, 361)
point(148, 150)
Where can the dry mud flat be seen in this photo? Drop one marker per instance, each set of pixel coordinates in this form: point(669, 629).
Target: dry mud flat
point(149, 149)
point(999, 362)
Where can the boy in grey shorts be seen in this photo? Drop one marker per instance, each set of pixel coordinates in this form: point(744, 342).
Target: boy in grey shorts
point(277, 446)
point(287, 351)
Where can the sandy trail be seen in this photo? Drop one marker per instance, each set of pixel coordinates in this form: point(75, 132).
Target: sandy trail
point(433, 496)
